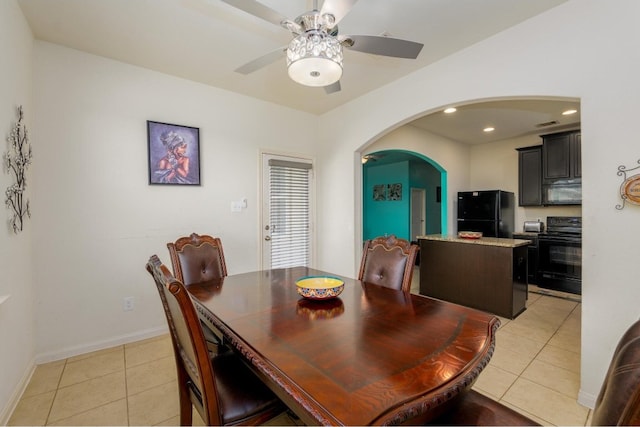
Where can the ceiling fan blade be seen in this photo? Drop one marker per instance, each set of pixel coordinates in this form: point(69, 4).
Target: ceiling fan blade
point(258, 9)
point(262, 61)
point(337, 8)
point(381, 45)
point(333, 88)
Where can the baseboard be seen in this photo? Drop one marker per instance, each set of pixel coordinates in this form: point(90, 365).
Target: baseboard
point(99, 345)
point(587, 399)
point(11, 405)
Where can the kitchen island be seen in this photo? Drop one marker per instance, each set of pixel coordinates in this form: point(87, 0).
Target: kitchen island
point(489, 273)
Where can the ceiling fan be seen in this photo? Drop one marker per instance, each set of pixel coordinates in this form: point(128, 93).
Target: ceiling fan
point(314, 55)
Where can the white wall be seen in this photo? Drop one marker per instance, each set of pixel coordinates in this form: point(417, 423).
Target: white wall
point(583, 49)
point(17, 333)
point(96, 218)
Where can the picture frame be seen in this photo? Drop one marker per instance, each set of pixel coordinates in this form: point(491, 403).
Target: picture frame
point(394, 192)
point(173, 154)
point(379, 192)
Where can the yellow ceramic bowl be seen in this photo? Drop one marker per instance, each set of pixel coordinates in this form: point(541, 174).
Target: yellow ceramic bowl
point(319, 287)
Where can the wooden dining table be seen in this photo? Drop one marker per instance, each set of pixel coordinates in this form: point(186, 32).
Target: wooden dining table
point(372, 355)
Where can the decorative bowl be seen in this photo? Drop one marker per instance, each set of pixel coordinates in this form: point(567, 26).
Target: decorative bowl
point(469, 234)
point(319, 287)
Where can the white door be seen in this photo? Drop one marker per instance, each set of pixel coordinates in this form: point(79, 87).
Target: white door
point(418, 212)
point(286, 211)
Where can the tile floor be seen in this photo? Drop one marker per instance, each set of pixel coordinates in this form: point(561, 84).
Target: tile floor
point(535, 370)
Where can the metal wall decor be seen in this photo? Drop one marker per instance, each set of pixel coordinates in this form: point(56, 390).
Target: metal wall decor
point(16, 161)
point(382, 192)
point(630, 187)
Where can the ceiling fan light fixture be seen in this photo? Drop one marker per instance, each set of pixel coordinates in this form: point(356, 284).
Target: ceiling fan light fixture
point(314, 58)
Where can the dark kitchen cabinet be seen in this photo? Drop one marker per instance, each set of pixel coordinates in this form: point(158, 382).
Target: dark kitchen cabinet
point(532, 255)
point(530, 176)
point(487, 277)
point(561, 156)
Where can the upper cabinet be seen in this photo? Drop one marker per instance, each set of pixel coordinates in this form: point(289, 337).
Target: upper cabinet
point(561, 156)
point(562, 168)
point(530, 176)
point(551, 173)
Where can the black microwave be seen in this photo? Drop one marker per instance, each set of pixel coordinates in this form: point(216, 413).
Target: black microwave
point(562, 192)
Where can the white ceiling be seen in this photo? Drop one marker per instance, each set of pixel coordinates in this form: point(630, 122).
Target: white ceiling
point(206, 40)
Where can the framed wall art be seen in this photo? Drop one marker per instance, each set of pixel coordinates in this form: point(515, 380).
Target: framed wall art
point(394, 192)
point(174, 154)
point(379, 192)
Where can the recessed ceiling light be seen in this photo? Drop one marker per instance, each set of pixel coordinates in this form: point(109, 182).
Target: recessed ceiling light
point(489, 129)
point(569, 112)
point(450, 110)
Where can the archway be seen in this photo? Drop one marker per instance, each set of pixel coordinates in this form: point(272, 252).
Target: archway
point(398, 186)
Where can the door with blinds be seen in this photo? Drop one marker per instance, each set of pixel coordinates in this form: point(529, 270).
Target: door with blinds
point(287, 208)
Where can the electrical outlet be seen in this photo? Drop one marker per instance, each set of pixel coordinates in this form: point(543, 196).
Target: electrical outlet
point(127, 304)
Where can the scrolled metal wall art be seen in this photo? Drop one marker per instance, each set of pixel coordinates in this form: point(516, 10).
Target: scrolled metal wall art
point(16, 161)
point(630, 187)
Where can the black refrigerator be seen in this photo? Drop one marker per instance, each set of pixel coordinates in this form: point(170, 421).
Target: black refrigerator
point(492, 212)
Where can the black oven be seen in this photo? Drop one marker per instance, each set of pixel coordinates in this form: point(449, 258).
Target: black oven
point(560, 255)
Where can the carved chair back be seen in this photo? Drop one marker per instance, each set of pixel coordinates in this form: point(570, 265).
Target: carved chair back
point(388, 261)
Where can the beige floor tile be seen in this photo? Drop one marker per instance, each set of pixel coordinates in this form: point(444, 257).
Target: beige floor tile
point(509, 360)
point(494, 382)
point(532, 298)
point(553, 377)
point(111, 414)
point(32, 411)
point(46, 377)
point(525, 413)
point(87, 395)
point(149, 375)
point(518, 343)
point(560, 357)
point(160, 337)
point(148, 350)
point(560, 303)
point(530, 330)
point(567, 341)
point(154, 406)
point(173, 421)
point(553, 407)
point(95, 353)
point(98, 365)
point(572, 325)
point(551, 316)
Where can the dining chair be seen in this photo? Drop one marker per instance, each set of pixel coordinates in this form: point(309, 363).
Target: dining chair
point(388, 261)
point(221, 388)
point(618, 402)
point(198, 259)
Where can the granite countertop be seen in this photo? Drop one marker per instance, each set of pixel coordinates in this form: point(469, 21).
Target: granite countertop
point(487, 241)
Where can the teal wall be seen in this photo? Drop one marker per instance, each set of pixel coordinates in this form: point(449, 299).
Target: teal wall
point(386, 216)
point(394, 216)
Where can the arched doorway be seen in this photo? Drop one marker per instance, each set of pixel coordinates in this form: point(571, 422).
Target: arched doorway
point(404, 193)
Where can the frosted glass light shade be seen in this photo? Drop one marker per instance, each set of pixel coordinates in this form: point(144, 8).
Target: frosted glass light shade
point(314, 58)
